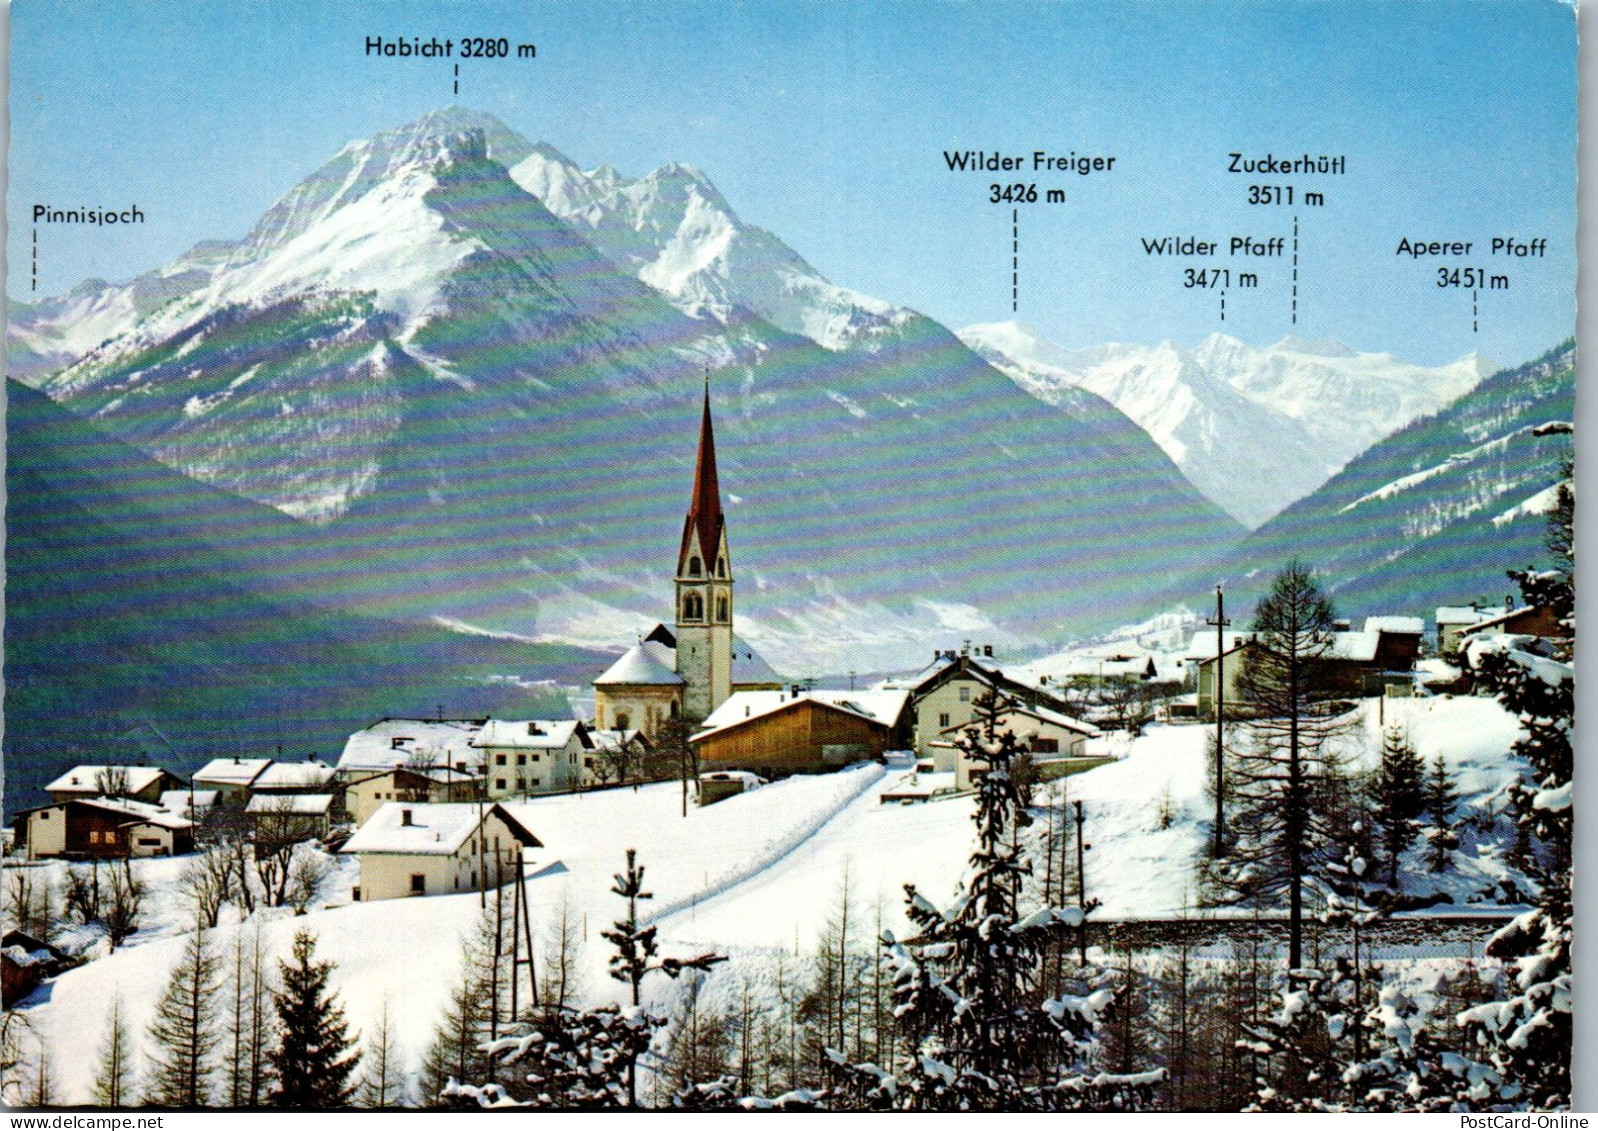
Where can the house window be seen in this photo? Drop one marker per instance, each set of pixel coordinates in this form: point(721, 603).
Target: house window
point(521, 783)
point(623, 720)
point(45, 816)
point(1045, 746)
point(521, 759)
point(418, 884)
point(397, 742)
point(94, 836)
point(965, 695)
point(943, 719)
point(499, 783)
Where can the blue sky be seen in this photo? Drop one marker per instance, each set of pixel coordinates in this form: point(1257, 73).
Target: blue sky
point(826, 123)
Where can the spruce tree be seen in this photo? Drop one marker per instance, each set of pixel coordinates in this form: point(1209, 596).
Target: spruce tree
point(184, 1033)
point(315, 1054)
point(1529, 1033)
point(1399, 798)
point(1440, 801)
point(965, 987)
point(114, 1084)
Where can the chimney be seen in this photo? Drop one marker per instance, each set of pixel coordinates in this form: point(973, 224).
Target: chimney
point(1341, 625)
point(405, 818)
point(987, 650)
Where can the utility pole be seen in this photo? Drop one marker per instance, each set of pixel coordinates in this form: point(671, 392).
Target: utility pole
point(1081, 889)
point(1220, 622)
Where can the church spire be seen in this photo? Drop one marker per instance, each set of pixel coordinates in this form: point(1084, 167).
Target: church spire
point(701, 534)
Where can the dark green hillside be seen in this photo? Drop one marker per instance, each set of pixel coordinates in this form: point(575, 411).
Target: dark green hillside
point(1423, 518)
point(129, 602)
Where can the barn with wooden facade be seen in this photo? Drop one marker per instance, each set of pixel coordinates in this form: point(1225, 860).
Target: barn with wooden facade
point(775, 734)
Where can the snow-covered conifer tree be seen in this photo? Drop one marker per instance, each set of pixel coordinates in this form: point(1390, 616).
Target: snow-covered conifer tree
point(1528, 1035)
point(1399, 797)
point(588, 1058)
point(1440, 800)
point(315, 1053)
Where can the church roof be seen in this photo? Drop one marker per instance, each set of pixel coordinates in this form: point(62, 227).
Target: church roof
point(748, 666)
point(701, 531)
point(646, 663)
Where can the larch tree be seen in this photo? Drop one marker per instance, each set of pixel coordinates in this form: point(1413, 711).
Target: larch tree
point(315, 1054)
point(1284, 778)
point(115, 1083)
point(382, 1083)
point(184, 1035)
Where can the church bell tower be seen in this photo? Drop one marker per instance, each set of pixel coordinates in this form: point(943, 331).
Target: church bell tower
point(704, 588)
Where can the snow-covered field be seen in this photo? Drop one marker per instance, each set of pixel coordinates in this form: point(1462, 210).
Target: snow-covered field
point(760, 872)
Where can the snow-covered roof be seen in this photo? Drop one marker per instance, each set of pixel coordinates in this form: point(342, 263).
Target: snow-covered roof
point(87, 779)
point(1105, 667)
point(1506, 617)
point(647, 663)
point(613, 739)
point(749, 780)
point(527, 734)
point(1467, 614)
point(745, 706)
point(136, 811)
point(188, 802)
point(1409, 626)
point(748, 666)
point(294, 775)
point(880, 705)
point(296, 804)
point(1042, 714)
point(410, 742)
point(439, 829)
point(1202, 646)
point(1355, 646)
point(232, 771)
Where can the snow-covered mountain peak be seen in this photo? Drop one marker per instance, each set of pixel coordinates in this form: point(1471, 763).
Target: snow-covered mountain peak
point(1212, 406)
point(1312, 347)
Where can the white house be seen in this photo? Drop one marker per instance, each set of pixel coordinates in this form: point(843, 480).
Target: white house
point(141, 783)
point(294, 777)
point(232, 778)
point(388, 743)
point(533, 755)
point(408, 850)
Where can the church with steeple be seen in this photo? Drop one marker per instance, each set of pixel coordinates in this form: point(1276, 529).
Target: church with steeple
point(691, 669)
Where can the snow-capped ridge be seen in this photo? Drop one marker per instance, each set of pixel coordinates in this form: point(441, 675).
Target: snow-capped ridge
point(1209, 406)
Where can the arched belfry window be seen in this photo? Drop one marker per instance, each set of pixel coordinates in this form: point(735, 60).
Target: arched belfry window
point(723, 610)
point(695, 568)
point(721, 567)
point(623, 719)
point(693, 607)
